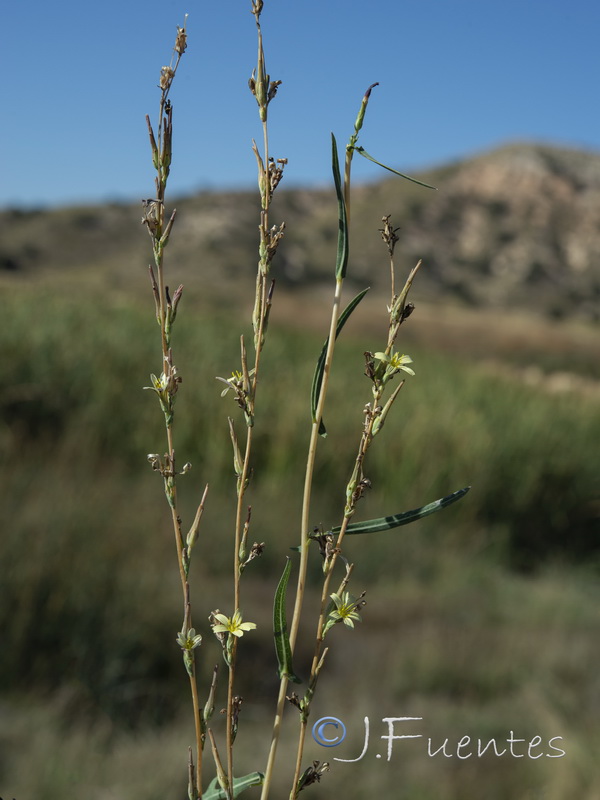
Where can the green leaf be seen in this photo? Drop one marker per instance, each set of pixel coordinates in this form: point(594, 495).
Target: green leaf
point(364, 154)
point(387, 523)
point(214, 791)
point(320, 368)
point(282, 640)
point(342, 248)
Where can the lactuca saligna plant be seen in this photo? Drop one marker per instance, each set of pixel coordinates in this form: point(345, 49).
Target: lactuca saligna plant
point(244, 382)
point(339, 606)
point(167, 384)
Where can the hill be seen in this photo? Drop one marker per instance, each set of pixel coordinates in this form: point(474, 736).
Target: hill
point(518, 227)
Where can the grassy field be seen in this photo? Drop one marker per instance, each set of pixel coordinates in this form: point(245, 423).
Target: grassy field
point(481, 620)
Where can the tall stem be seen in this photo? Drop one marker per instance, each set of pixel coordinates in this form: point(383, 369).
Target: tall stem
point(261, 306)
point(306, 498)
point(304, 539)
point(310, 465)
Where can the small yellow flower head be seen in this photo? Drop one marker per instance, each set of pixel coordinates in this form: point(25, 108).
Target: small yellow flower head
point(189, 640)
point(160, 384)
point(236, 382)
point(390, 365)
point(346, 610)
point(232, 625)
point(396, 362)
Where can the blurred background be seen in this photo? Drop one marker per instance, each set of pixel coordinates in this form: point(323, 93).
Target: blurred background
point(483, 619)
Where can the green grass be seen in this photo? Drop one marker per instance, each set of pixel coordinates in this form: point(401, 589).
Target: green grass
point(90, 591)
point(475, 652)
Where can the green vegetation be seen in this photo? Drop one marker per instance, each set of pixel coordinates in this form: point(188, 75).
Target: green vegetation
point(84, 643)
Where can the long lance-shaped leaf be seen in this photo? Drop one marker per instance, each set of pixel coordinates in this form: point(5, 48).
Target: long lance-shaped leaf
point(394, 521)
point(318, 376)
point(214, 791)
point(280, 632)
point(364, 154)
point(342, 248)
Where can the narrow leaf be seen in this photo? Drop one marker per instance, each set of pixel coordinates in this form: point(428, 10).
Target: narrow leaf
point(280, 632)
point(342, 248)
point(214, 791)
point(320, 368)
point(364, 154)
point(387, 523)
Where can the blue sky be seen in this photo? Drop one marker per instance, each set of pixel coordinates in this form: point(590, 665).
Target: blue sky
point(456, 77)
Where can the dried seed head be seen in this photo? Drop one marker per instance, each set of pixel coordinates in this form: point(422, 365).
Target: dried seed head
point(256, 550)
point(274, 237)
point(273, 86)
point(275, 173)
point(407, 311)
point(166, 78)
point(212, 618)
point(369, 365)
point(181, 40)
point(152, 214)
point(155, 462)
point(257, 7)
point(312, 774)
point(235, 714)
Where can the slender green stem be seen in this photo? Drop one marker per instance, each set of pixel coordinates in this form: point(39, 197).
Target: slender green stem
point(176, 520)
point(310, 465)
point(161, 159)
point(230, 695)
point(198, 730)
point(261, 305)
point(299, 755)
point(306, 498)
point(304, 540)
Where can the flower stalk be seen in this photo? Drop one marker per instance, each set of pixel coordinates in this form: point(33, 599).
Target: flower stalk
point(245, 381)
point(167, 384)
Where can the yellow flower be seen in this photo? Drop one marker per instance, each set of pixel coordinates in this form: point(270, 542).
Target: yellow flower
point(346, 610)
point(395, 362)
point(233, 625)
point(236, 382)
point(189, 640)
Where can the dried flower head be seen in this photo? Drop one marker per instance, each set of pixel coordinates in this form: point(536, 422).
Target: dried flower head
point(312, 774)
point(389, 234)
point(181, 40)
point(166, 78)
point(257, 7)
point(152, 214)
point(275, 172)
